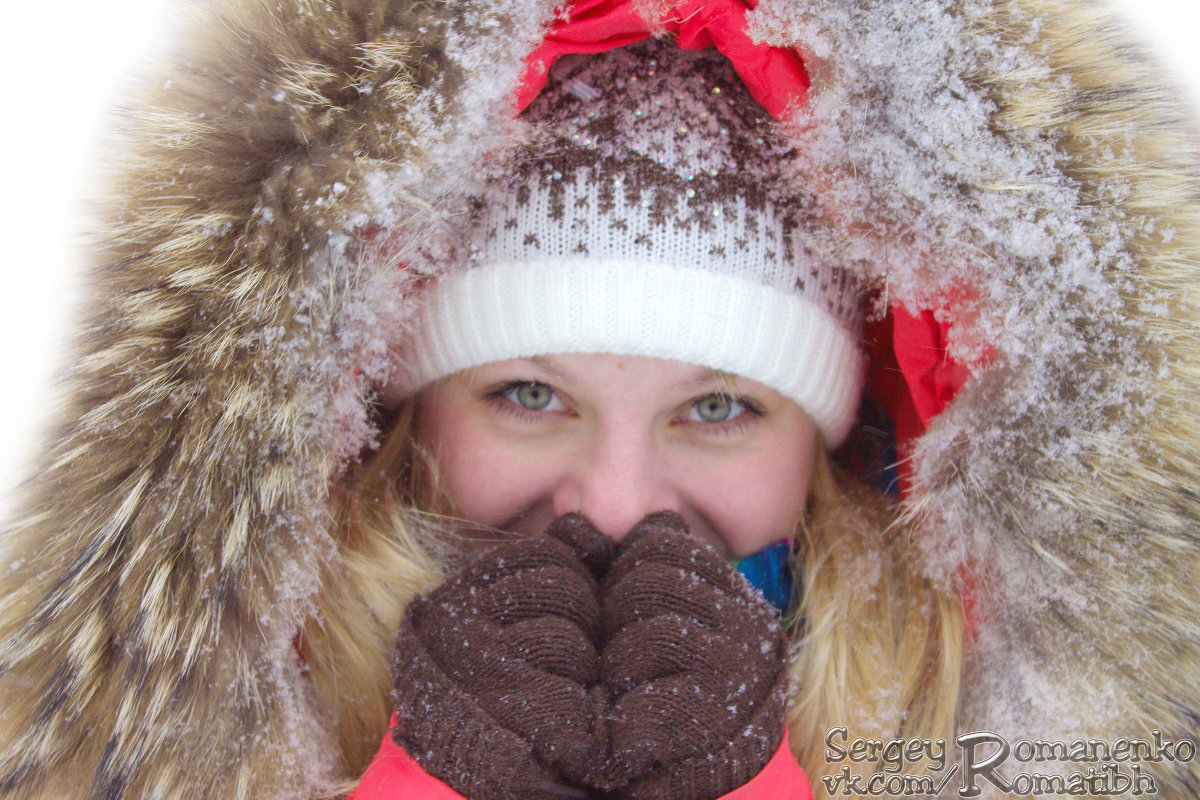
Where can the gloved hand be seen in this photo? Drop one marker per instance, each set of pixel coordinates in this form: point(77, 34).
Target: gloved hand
point(496, 681)
point(694, 665)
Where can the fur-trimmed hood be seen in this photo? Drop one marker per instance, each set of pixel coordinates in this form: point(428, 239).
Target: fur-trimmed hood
point(1010, 168)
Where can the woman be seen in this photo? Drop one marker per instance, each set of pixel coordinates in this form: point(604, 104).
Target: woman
point(576, 355)
point(1022, 219)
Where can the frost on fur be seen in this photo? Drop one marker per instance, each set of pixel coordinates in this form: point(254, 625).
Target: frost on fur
point(939, 187)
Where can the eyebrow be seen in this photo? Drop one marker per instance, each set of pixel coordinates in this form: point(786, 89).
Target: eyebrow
point(550, 365)
point(704, 377)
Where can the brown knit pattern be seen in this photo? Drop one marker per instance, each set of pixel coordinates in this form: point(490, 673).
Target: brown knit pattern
point(667, 126)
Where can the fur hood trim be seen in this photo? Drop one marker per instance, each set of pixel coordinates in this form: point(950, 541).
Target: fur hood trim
point(1020, 171)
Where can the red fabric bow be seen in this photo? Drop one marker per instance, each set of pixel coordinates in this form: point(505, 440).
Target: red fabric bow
point(774, 76)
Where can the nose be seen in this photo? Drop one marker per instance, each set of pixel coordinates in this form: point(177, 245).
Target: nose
point(618, 478)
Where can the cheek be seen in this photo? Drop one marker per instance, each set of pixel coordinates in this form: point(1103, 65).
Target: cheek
point(758, 500)
point(489, 479)
point(471, 472)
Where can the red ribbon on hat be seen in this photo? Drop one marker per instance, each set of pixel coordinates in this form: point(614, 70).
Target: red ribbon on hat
point(774, 76)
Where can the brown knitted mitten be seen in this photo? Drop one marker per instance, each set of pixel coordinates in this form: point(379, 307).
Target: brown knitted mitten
point(694, 664)
point(496, 671)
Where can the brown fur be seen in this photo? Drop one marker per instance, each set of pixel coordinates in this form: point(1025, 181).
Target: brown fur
point(180, 528)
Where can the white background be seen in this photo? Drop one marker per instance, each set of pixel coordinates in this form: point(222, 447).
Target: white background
point(63, 63)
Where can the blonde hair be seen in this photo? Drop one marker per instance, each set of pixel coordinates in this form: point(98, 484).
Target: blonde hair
point(877, 648)
point(880, 648)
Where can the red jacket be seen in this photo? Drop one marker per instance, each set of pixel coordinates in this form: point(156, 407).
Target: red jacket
point(393, 775)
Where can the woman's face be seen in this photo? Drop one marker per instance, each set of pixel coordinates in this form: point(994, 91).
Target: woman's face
point(518, 443)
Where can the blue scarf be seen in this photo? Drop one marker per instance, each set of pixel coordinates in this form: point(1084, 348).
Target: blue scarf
point(768, 571)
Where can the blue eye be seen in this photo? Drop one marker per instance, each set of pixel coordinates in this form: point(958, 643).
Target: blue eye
point(715, 408)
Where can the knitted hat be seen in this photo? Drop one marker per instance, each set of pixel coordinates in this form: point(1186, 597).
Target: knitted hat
point(647, 216)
